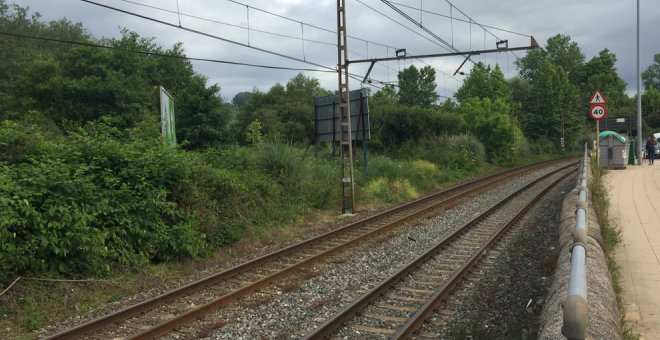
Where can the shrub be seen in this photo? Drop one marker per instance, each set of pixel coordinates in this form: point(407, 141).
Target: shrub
point(90, 203)
point(462, 152)
point(385, 190)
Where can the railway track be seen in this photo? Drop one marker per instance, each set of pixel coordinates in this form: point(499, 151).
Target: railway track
point(161, 314)
point(399, 305)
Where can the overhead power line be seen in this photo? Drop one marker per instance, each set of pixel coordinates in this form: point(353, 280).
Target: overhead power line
point(257, 30)
point(450, 47)
point(471, 21)
point(156, 54)
point(353, 76)
point(228, 24)
point(317, 27)
point(208, 35)
point(459, 19)
point(402, 25)
point(308, 24)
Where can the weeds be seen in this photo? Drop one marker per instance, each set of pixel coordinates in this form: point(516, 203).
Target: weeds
point(611, 236)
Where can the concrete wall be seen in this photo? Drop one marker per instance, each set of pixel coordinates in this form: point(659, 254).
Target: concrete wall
point(603, 313)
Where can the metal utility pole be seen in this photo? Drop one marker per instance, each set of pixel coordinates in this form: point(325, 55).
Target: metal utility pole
point(345, 132)
point(343, 96)
point(639, 99)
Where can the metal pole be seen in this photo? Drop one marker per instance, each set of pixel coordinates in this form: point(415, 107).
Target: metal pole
point(639, 99)
point(598, 143)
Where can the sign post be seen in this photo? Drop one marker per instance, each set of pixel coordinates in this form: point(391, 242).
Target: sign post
point(597, 112)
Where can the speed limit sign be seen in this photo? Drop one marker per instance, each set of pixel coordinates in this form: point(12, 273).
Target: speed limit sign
point(597, 111)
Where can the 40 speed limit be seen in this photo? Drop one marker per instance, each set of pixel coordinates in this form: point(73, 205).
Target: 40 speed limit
point(597, 112)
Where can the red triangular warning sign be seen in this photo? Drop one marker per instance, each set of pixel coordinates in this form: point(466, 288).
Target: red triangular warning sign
point(597, 98)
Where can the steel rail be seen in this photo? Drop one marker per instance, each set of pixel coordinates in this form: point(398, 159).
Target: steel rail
point(349, 312)
point(443, 292)
point(472, 186)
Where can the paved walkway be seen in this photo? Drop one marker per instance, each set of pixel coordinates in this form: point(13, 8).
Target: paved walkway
point(635, 207)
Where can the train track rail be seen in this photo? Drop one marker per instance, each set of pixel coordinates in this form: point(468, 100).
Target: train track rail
point(159, 315)
point(401, 303)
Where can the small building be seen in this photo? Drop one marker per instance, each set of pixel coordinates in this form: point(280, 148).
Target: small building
point(613, 149)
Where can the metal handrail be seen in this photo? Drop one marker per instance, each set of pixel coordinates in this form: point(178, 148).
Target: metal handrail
point(575, 308)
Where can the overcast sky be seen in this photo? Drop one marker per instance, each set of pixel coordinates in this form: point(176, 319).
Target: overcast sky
point(376, 30)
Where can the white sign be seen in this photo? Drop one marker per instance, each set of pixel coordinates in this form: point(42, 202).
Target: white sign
point(167, 117)
point(597, 98)
point(597, 112)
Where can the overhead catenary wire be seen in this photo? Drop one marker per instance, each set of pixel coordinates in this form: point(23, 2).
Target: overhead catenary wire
point(208, 35)
point(472, 20)
point(248, 28)
point(371, 81)
point(402, 25)
point(353, 76)
point(480, 25)
point(303, 40)
point(450, 47)
point(230, 24)
point(413, 31)
point(164, 55)
point(469, 21)
point(461, 20)
point(307, 24)
point(446, 46)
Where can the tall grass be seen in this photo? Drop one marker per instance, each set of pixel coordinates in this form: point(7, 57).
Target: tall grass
point(611, 237)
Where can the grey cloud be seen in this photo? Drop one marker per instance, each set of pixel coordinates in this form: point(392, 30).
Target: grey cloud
point(593, 24)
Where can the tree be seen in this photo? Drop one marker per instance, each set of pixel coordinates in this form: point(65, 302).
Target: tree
point(651, 76)
point(484, 82)
point(417, 87)
point(285, 112)
point(71, 85)
point(240, 99)
point(490, 121)
point(600, 73)
point(565, 54)
point(520, 89)
point(385, 96)
point(254, 133)
point(17, 53)
point(552, 101)
point(303, 88)
point(530, 64)
point(651, 107)
point(560, 51)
